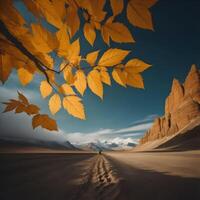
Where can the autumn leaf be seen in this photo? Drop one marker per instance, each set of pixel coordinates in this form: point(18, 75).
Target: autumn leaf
point(138, 13)
point(118, 32)
point(50, 12)
point(68, 75)
point(54, 104)
point(117, 6)
point(119, 76)
point(94, 83)
point(73, 52)
point(66, 89)
point(45, 89)
point(25, 76)
point(112, 57)
point(92, 57)
point(43, 40)
point(135, 80)
point(95, 9)
point(74, 106)
point(5, 67)
point(64, 41)
point(20, 108)
point(105, 77)
point(22, 105)
point(105, 35)
point(32, 109)
point(136, 66)
point(45, 122)
point(89, 33)
point(33, 7)
point(80, 81)
point(11, 105)
point(22, 98)
point(72, 18)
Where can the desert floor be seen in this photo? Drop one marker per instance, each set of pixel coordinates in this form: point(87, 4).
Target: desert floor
point(88, 176)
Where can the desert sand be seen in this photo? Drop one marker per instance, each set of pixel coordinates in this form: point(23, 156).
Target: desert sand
point(89, 176)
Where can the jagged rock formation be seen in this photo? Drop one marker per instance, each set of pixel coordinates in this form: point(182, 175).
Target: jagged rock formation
point(181, 106)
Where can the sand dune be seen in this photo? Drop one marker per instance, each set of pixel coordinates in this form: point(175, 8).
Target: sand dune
point(111, 176)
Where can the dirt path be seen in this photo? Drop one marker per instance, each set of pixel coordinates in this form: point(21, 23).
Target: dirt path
point(111, 176)
point(99, 182)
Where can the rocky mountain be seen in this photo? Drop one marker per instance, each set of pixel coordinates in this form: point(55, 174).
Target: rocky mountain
point(182, 106)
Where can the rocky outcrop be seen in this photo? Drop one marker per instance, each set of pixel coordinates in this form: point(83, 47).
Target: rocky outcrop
point(181, 107)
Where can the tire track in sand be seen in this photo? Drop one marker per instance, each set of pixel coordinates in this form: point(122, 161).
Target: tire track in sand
point(99, 182)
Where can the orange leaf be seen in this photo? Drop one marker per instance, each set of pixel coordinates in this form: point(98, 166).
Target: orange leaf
point(45, 122)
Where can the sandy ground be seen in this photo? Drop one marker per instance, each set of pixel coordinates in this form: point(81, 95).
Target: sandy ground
point(120, 176)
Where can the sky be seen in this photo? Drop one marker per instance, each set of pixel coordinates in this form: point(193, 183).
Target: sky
point(124, 112)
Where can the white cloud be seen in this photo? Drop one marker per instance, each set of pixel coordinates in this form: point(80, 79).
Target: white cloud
point(109, 134)
point(140, 127)
point(121, 141)
point(148, 118)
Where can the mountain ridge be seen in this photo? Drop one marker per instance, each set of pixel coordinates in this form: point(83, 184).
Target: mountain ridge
point(181, 107)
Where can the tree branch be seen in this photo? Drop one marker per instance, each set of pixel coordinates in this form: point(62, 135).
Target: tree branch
point(19, 45)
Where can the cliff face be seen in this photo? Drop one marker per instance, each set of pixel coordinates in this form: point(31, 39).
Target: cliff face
point(181, 106)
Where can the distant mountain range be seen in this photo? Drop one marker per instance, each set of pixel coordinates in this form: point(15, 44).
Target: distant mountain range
point(105, 146)
point(19, 143)
point(66, 145)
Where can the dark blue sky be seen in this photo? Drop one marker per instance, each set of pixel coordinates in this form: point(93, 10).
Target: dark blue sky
point(171, 49)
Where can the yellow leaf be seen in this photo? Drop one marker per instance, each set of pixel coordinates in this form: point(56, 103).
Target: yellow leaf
point(105, 78)
point(146, 3)
point(72, 19)
point(105, 35)
point(80, 81)
point(63, 39)
point(25, 76)
point(67, 89)
point(60, 6)
point(14, 21)
point(135, 80)
point(136, 66)
point(95, 8)
point(45, 89)
point(74, 51)
point(74, 106)
point(112, 57)
point(8, 48)
point(89, 33)
point(94, 83)
point(92, 57)
point(33, 7)
point(50, 12)
point(117, 6)
point(118, 32)
point(14, 16)
point(5, 67)
point(43, 40)
point(45, 122)
point(119, 76)
point(54, 104)
point(68, 75)
point(138, 13)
